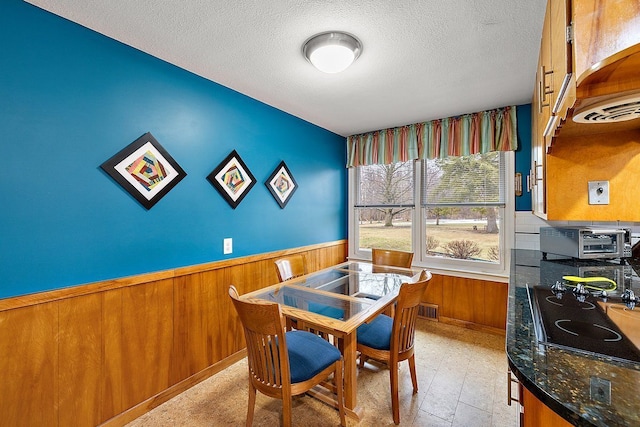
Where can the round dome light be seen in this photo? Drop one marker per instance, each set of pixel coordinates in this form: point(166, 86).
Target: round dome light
point(332, 52)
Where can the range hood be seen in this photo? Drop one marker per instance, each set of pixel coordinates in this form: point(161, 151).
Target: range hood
point(611, 110)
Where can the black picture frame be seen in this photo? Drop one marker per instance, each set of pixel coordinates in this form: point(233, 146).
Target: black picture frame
point(281, 184)
point(233, 179)
point(145, 170)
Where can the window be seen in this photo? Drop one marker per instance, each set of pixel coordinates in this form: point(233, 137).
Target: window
point(384, 206)
point(458, 217)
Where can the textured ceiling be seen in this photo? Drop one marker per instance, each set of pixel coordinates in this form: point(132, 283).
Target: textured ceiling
point(421, 59)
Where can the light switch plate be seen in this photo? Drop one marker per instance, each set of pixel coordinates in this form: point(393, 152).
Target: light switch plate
point(598, 192)
point(228, 246)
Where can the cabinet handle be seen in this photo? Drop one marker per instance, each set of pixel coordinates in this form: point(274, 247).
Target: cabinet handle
point(511, 380)
point(544, 88)
point(535, 175)
point(540, 175)
point(532, 174)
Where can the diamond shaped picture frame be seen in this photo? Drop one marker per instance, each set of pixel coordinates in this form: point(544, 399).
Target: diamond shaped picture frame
point(232, 178)
point(282, 184)
point(145, 170)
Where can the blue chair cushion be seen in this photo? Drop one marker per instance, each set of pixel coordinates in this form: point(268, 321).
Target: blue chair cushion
point(309, 355)
point(377, 333)
point(326, 310)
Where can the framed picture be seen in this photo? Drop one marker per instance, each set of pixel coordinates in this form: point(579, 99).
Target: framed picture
point(281, 184)
point(145, 169)
point(232, 178)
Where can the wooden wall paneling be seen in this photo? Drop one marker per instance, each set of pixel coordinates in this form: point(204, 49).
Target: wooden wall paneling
point(458, 299)
point(229, 333)
point(234, 275)
point(495, 309)
point(469, 302)
point(433, 293)
point(479, 289)
point(112, 372)
point(28, 362)
point(193, 319)
point(265, 273)
point(80, 356)
point(119, 346)
point(147, 344)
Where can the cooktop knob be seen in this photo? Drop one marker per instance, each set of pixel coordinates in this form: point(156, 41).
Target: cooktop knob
point(558, 287)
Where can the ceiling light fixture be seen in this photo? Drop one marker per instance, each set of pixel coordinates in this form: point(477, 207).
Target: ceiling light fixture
point(333, 51)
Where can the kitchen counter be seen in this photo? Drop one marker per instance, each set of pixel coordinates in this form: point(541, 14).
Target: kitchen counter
point(574, 384)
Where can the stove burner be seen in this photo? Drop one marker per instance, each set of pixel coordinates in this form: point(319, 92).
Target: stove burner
point(588, 330)
point(552, 299)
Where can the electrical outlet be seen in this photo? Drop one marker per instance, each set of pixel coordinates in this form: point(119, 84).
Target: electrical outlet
point(600, 390)
point(227, 245)
point(598, 192)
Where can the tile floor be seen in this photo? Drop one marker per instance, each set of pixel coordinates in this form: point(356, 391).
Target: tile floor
point(462, 381)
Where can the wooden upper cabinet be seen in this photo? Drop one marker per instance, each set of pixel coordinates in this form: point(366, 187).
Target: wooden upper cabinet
point(561, 57)
point(551, 95)
point(589, 55)
point(607, 46)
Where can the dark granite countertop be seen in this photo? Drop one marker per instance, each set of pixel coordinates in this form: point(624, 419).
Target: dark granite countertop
point(562, 378)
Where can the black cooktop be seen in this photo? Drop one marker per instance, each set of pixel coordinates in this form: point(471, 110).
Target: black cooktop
point(579, 321)
point(579, 324)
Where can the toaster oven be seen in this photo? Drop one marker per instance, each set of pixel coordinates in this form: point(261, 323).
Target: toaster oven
point(586, 242)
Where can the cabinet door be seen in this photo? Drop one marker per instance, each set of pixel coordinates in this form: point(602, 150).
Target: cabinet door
point(538, 175)
point(550, 101)
point(544, 86)
point(560, 56)
point(541, 112)
point(537, 414)
point(605, 32)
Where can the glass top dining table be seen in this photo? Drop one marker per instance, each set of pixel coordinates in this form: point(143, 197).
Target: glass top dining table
point(336, 301)
point(324, 292)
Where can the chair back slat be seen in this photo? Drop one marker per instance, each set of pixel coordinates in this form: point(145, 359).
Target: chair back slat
point(404, 322)
point(407, 328)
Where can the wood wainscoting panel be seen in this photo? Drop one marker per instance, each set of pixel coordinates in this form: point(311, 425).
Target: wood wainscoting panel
point(230, 336)
point(495, 304)
point(473, 303)
point(147, 340)
point(112, 377)
point(460, 300)
point(28, 362)
point(106, 353)
point(193, 309)
point(80, 360)
point(433, 293)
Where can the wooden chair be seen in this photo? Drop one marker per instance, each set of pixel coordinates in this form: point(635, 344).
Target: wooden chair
point(290, 267)
point(284, 364)
point(391, 340)
point(391, 258)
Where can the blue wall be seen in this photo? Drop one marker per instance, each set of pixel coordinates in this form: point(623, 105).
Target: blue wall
point(523, 155)
point(71, 98)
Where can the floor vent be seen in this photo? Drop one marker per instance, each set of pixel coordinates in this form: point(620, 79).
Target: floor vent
point(428, 311)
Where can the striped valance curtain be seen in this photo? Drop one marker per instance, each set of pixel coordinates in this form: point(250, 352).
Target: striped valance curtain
point(493, 130)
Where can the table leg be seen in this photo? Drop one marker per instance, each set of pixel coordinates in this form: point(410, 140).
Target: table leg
point(349, 345)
